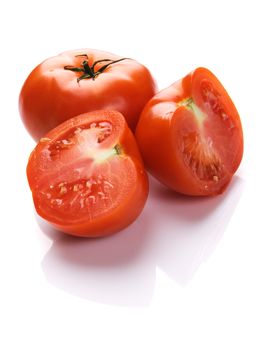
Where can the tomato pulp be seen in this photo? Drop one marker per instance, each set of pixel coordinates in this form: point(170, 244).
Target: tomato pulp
point(87, 177)
point(190, 135)
point(81, 81)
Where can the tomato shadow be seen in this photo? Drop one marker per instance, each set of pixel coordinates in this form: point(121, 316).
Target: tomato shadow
point(175, 233)
point(103, 269)
point(190, 228)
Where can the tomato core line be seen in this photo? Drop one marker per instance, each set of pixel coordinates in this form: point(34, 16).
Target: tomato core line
point(190, 105)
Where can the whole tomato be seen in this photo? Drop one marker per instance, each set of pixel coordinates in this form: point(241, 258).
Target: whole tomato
point(80, 81)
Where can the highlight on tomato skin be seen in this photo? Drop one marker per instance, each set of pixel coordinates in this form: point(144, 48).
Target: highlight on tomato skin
point(190, 135)
point(87, 177)
point(80, 81)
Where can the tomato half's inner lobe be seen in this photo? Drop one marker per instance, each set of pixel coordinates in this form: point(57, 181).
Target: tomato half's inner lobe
point(210, 135)
point(79, 174)
point(82, 142)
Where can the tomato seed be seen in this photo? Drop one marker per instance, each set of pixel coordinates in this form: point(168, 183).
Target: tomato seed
point(102, 195)
point(108, 184)
point(56, 201)
point(75, 188)
point(77, 131)
point(44, 139)
point(93, 198)
point(63, 190)
point(89, 184)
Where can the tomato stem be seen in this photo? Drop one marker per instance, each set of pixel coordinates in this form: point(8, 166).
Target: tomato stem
point(117, 149)
point(88, 72)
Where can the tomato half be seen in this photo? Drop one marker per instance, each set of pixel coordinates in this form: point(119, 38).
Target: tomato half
point(87, 177)
point(190, 135)
point(81, 81)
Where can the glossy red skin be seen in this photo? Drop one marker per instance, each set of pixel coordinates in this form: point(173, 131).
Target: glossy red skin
point(124, 210)
point(164, 123)
point(51, 94)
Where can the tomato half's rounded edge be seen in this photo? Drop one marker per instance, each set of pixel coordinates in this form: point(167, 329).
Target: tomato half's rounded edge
point(190, 135)
point(87, 177)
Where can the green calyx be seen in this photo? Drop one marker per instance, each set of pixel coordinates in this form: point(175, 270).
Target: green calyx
point(87, 71)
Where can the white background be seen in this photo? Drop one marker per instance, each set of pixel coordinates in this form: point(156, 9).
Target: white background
point(189, 273)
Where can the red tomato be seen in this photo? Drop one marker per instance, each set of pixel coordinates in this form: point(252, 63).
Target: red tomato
point(87, 177)
point(190, 135)
point(81, 81)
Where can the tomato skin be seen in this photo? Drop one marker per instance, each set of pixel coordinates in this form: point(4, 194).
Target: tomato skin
point(51, 94)
point(127, 168)
point(165, 123)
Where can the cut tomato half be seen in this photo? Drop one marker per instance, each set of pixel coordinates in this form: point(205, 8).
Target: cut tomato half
point(87, 177)
point(190, 135)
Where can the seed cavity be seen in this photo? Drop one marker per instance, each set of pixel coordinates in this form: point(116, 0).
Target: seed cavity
point(213, 102)
point(200, 156)
point(83, 194)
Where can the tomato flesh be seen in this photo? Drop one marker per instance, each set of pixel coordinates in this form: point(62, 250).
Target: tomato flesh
point(84, 180)
point(209, 145)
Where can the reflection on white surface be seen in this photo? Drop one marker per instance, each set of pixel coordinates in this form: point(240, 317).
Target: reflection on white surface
point(114, 270)
point(175, 233)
